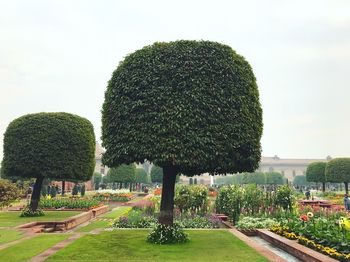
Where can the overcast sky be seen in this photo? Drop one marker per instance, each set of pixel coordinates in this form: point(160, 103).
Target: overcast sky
point(59, 55)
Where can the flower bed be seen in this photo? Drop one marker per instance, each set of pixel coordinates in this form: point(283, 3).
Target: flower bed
point(113, 197)
point(332, 252)
point(69, 203)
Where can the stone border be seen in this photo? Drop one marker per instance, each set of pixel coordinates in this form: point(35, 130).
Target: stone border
point(292, 247)
point(69, 223)
point(257, 247)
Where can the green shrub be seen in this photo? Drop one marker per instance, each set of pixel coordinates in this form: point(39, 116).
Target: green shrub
point(70, 203)
point(191, 198)
point(284, 197)
point(8, 193)
point(256, 222)
point(28, 212)
point(162, 234)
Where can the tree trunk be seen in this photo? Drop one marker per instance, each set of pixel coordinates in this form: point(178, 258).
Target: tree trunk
point(63, 187)
point(323, 187)
point(34, 201)
point(130, 187)
point(167, 200)
point(346, 187)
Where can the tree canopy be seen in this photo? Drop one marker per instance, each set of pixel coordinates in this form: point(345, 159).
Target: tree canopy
point(315, 172)
point(338, 171)
point(156, 174)
point(122, 174)
point(141, 176)
point(190, 104)
point(49, 145)
point(300, 181)
point(190, 107)
point(54, 145)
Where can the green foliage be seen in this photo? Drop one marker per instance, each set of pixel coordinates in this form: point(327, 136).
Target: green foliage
point(97, 180)
point(141, 176)
point(189, 104)
point(315, 172)
point(162, 234)
point(259, 178)
point(75, 190)
point(82, 191)
point(284, 197)
point(256, 222)
point(229, 201)
point(54, 145)
point(122, 174)
point(300, 181)
point(338, 170)
point(156, 174)
point(27, 212)
point(69, 203)
point(191, 198)
point(252, 201)
point(53, 191)
point(8, 193)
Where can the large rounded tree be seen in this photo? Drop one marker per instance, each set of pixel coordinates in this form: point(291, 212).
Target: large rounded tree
point(315, 172)
point(189, 107)
point(60, 146)
point(338, 171)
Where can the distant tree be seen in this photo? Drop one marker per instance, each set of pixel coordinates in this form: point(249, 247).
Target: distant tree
point(338, 171)
point(156, 174)
point(315, 172)
point(190, 181)
point(97, 180)
point(122, 174)
point(300, 181)
point(274, 178)
point(190, 107)
point(141, 176)
point(54, 145)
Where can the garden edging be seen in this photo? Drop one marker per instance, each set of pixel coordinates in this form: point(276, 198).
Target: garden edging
point(69, 223)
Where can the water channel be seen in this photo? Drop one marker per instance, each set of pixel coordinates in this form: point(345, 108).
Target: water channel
point(274, 249)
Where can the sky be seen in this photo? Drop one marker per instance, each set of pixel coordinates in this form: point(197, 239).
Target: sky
point(58, 56)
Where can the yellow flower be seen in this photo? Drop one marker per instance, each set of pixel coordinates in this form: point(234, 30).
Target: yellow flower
point(310, 214)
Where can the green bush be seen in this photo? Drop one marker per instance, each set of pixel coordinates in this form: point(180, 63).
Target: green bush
point(191, 198)
point(162, 234)
point(70, 203)
point(256, 222)
point(28, 212)
point(8, 193)
point(285, 198)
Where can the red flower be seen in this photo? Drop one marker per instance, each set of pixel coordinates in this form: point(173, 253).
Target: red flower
point(304, 217)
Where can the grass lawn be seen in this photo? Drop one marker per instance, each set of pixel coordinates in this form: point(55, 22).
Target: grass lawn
point(29, 248)
point(131, 245)
point(119, 211)
point(12, 218)
point(94, 225)
point(9, 235)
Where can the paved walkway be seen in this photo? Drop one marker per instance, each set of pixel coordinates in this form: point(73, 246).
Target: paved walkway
point(52, 250)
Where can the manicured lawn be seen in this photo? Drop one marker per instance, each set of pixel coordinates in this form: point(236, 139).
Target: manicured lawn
point(119, 211)
point(131, 245)
point(25, 250)
point(94, 225)
point(9, 235)
point(12, 218)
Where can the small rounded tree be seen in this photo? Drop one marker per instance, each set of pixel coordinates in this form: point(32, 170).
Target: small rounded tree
point(49, 145)
point(141, 176)
point(122, 174)
point(315, 172)
point(190, 107)
point(156, 174)
point(338, 171)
